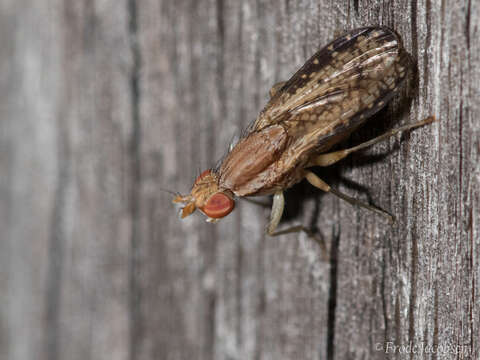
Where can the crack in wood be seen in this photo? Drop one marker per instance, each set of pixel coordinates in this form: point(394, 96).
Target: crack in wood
point(135, 300)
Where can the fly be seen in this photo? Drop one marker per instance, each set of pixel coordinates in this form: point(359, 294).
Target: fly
point(335, 92)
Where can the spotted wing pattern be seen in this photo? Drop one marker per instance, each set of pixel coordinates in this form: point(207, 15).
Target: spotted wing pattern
point(337, 89)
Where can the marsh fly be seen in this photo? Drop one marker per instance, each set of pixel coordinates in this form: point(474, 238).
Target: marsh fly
point(337, 90)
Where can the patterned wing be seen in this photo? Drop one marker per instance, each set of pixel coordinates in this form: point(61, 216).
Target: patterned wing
point(337, 89)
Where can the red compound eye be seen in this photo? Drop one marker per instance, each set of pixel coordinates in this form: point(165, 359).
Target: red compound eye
point(202, 175)
point(218, 205)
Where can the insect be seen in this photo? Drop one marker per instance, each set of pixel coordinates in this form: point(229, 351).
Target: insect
point(335, 92)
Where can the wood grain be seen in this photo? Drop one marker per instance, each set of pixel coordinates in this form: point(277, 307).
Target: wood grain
point(105, 103)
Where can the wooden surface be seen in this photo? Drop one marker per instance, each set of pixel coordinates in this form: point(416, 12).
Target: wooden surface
point(103, 103)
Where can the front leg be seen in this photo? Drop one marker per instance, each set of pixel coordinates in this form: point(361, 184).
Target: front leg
point(275, 217)
point(277, 212)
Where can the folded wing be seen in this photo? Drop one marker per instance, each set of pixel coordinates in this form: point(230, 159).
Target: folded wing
point(337, 89)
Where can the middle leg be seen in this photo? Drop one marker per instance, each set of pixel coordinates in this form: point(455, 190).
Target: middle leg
point(322, 185)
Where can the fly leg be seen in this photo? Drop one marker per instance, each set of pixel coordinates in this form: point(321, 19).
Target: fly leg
point(333, 157)
point(276, 87)
point(322, 185)
point(276, 215)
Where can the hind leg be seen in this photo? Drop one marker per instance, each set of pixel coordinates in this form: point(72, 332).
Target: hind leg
point(333, 157)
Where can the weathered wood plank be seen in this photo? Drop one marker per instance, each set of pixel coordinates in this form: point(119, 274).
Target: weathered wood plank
point(67, 216)
point(105, 103)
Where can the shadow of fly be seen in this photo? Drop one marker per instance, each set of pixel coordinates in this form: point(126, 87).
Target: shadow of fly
point(335, 92)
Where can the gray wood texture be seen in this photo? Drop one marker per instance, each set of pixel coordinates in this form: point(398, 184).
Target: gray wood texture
point(104, 103)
